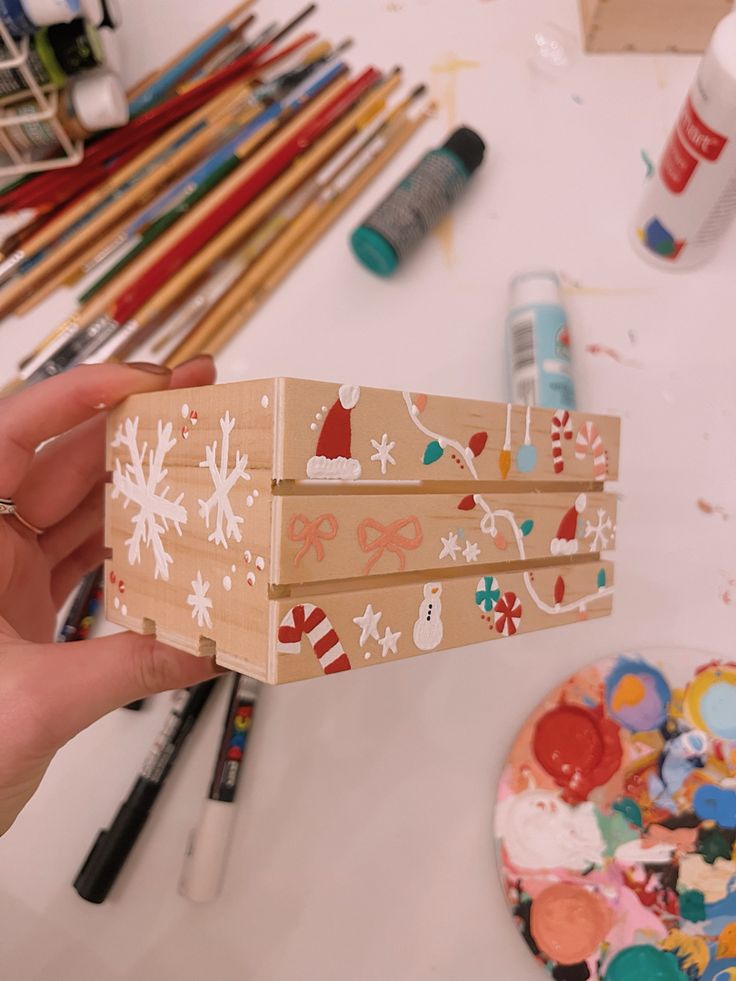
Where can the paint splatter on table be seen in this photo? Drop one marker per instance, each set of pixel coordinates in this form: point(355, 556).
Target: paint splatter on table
point(616, 822)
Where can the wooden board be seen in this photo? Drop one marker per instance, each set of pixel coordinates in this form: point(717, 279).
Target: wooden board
point(242, 518)
point(650, 25)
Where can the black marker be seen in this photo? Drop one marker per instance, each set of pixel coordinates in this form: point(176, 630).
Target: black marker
point(109, 852)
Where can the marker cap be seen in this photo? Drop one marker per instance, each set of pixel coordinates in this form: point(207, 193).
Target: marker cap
point(206, 857)
point(468, 147)
point(374, 251)
point(533, 286)
point(111, 56)
point(92, 11)
point(45, 12)
point(99, 102)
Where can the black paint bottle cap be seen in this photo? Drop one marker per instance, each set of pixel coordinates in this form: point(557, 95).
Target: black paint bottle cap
point(468, 147)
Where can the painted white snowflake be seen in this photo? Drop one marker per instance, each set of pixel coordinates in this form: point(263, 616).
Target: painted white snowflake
point(138, 483)
point(383, 451)
point(200, 602)
point(471, 552)
point(601, 531)
point(389, 643)
point(227, 522)
point(450, 546)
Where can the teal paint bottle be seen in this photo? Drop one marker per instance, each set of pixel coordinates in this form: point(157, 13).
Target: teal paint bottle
point(418, 203)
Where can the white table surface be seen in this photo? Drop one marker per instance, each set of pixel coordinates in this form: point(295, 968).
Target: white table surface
point(364, 845)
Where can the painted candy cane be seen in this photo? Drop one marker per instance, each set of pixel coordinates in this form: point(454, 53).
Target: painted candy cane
point(561, 427)
point(312, 621)
point(587, 441)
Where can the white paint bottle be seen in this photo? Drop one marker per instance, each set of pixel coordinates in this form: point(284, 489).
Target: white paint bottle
point(690, 200)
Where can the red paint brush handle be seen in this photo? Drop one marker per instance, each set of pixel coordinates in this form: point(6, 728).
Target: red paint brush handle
point(130, 301)
point(44, 190)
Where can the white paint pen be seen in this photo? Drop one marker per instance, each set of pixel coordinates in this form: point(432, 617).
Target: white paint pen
point(538, 342)
point(690, 200)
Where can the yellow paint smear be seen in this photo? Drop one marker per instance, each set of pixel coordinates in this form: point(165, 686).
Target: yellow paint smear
point(449, 70)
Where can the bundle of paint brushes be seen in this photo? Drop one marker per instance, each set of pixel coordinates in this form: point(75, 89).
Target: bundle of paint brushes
point(239, 157)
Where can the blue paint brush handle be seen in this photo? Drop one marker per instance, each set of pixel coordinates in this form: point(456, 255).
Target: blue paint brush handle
point(160, 87)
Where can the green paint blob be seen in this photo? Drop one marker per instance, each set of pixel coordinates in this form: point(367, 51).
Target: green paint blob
point(692, 906)
point(644, 963)
point(433, 452)
point(713, 844)
point(616, 830)
point(630, 810)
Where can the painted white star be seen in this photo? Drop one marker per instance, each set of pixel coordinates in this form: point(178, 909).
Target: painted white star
point(450, 547)
point(368, 624)
point(383, 451)
point(389, 643)
point(471, 552)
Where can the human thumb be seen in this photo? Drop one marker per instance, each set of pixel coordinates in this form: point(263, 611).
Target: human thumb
point(73, 685)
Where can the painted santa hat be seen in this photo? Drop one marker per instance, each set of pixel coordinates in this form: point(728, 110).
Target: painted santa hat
point(565, 542)
point(333, 459)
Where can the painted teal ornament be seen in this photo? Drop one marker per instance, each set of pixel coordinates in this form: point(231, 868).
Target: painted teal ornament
point(601, 579)
point(526, 527)
point(433, 452)
point(526, 458)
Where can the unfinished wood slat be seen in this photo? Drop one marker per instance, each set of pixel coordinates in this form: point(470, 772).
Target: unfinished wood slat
point(650, 25)
point(438, 615)
point(223, 501)
point(319, 418)
point(337, 536)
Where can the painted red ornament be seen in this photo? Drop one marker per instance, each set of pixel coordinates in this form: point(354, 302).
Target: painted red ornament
point(185, 432)
point(467, 503)
point(579, 748)
point(559, 589)
point(121, 586)
point(478, 443)
point(194, 417)
point(420, 401)
point(113, 577)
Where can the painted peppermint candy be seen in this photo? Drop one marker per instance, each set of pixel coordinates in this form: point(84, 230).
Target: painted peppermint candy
point(508, 614)
point(487, 593)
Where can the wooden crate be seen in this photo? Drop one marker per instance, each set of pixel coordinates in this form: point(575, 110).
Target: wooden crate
point(650, 25)
point(300, 528)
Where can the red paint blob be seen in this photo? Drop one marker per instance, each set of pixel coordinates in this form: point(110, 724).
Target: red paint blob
point(579, 748)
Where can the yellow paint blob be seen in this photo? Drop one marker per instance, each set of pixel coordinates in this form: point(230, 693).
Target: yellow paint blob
point(727, 942)
point(691, 951)
point(630, 691)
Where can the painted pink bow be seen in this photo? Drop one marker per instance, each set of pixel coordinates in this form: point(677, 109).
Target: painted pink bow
point(388, 538)
point(312, 533)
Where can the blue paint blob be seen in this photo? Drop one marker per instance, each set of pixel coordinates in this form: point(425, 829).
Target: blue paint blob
point(650, 712)
point(526, 458)
point(718, 709)
point(716, 804)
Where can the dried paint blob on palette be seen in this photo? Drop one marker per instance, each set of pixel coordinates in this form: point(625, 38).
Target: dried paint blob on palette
point(616, 822)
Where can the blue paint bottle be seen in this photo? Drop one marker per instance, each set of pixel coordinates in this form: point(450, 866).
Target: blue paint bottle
point(538, 342)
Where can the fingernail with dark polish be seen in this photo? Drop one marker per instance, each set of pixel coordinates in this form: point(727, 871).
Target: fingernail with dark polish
point(197, 357)
point(154, 369)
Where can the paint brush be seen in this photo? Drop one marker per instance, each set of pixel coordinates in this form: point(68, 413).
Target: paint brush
point(269, 271)
point(101, 304)
point(184, 64)
point(184, 193)
point(198, 305)
point(179, 271)
point(186, 52)
point(149, 165)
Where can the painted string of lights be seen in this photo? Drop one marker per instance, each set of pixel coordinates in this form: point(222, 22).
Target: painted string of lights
point(488, 526)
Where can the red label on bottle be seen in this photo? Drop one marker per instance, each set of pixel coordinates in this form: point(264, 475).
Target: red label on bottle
point(677, 165)
point(699, 137)
point(691, 142)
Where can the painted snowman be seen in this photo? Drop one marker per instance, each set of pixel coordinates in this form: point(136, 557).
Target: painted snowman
point(428, 627)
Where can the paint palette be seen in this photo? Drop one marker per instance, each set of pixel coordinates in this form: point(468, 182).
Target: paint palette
point(616, 822)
